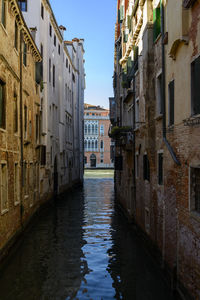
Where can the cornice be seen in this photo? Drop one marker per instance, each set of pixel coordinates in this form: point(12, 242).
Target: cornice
point(26, 33)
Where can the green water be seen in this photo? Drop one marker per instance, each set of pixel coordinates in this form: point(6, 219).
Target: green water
point(99, 173)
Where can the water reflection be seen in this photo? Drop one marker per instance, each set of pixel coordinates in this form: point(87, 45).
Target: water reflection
point(82, 248)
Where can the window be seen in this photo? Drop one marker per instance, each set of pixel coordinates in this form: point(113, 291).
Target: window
point(37, 128)
point(16, 182)
point(160, 168)
point(59, 49)
point(41, 50)
point(16, 36)
point(43, 155)
point(25, 121)
point(89, 129)
point(2, 105)
point(101, 144)
point(23, 5)
point(3, 13)
point(50, 30)
point(146, 168)
point(171, 102)
point(156, 23)
point(137, 166)
point(96, 145)
point(73, 77)
point(101, 129)
point(92, 128)
point(85, 159)
point(54, 76)
point(195, 189)
point(25, 178)
point(137, 114)
point(42, 11)
point(96, 129)
point(54, 40)
point(159, 95)
point(50, 70)
point(85, 129)
point(92, 145)
point(25, 54)
point(15, 114)
point(195, 91)
point(69, 68)
point(66, 63)
point(101, 160)
point(4, 187)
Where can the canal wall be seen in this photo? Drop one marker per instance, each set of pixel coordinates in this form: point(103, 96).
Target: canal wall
point(24, 221)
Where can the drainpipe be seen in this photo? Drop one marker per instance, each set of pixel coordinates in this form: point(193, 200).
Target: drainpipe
point(21, 125)
point(169, 147)
point(134, 161)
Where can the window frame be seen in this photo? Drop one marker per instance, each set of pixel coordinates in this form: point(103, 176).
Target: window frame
point(3, 119)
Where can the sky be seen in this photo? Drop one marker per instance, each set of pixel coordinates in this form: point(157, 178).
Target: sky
point(94, 21)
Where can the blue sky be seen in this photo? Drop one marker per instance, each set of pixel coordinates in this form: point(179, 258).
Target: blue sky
point(94, 21)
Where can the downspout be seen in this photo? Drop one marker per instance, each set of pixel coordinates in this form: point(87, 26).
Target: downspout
point(21, 126)
point(169, 147)
point(134, 160)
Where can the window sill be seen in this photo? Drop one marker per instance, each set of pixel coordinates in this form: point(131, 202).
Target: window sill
point(193, 120)
point(4, 29)
point(4, 211)
point(2, 130)
point(158, 117)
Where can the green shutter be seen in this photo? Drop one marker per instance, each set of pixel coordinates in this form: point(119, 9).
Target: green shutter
point(121, 13)
point(125, 38)
point(129, 23)
point(156, 23)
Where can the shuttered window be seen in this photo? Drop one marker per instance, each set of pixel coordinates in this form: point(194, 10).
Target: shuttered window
point(160, 168)
point(146, 168)
point(53, 76)
point(15, 114)
point(3, 13)
point(16, 36)
point(171, 102)
point(195, 83)
point(23, 5)
point(156, 23)
point(2, 105)
point(25, 54)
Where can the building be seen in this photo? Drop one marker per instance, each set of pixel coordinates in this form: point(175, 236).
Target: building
point(42, 82)
point(97, 143)
point(155, 125)
point(62, 97)
point(20, 160)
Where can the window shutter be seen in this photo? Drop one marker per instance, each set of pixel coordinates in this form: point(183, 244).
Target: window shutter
point(171, 103)
point(195, 83)
point(118, 16)
point(156, 23)
point(121, 13)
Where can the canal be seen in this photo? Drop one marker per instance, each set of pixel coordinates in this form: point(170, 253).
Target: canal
point(82, 248)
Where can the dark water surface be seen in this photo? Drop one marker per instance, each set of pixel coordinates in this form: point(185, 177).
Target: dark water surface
point(82, 248)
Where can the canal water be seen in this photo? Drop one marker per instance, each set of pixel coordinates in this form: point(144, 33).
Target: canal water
point(82, 248)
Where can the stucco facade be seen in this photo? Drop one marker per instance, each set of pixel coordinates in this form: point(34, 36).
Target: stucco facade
point(97, 143)
point(156, 83)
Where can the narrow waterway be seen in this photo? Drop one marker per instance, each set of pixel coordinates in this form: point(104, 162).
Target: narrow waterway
point(82, 248)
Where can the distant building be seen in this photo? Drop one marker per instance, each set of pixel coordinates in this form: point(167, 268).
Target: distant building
point(97, 143)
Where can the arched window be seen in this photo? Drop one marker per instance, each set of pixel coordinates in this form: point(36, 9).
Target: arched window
point(96, 145)
point(102, 129)
point(85, 145)
point(96, 129)
point(89, 129)
point(89, 145)
point(101, 144)
point(92, 128)
point(85, 128)
point(92, 145)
